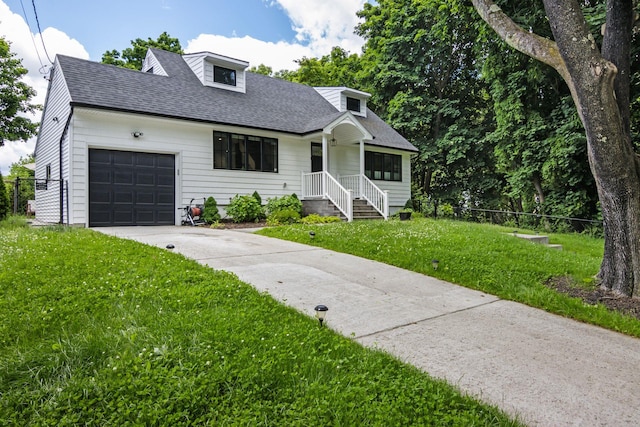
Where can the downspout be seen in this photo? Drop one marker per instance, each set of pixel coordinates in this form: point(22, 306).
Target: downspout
point(325, 163)
point(64, 133)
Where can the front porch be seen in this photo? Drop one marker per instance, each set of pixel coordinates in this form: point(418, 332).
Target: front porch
point(352, 196)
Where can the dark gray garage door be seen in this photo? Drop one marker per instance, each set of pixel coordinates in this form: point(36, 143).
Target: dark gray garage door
point(129, 188)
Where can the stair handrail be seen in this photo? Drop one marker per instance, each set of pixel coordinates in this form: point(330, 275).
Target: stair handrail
point(375, 196)
point(339, 196)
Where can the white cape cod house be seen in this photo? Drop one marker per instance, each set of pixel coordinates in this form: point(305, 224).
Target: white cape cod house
point(124, 147)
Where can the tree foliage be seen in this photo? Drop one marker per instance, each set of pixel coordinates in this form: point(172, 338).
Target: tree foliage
point(4, 199)
point(133, 57)
point(597, 72)
point(15, 98)
point(420, 60)
point(26, 189)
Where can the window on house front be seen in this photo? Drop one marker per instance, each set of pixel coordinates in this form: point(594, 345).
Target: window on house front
point(226, 76)
point(383, 166)
point(244, 152)
point(353, 104)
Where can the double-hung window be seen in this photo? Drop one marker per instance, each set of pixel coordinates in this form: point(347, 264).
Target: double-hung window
point(244, 152)
point(383, 166)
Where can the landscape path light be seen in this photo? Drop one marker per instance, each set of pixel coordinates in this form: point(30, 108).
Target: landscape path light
point(170, 246)
point(434, 263)
point(312, 234)
point(321, 312)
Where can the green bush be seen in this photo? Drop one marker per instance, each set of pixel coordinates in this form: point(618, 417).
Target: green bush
point(317, 219)
point(245, 209)
point(210, 212)
point(4, 200)
point(282, 217)
point(256, 196)
point(290, 202)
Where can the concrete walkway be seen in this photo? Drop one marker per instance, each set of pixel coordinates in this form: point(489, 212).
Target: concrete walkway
point(545, 369)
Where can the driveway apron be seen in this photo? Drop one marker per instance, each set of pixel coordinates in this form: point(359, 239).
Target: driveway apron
point(545, 369)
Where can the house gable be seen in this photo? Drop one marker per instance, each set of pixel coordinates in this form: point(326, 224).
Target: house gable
point(346, 99)
point(218, 71)
point(152, 65)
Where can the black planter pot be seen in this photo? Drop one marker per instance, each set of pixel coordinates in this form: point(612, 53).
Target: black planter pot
point(405, 216)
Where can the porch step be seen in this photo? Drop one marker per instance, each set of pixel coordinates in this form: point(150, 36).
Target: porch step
point(324, 207)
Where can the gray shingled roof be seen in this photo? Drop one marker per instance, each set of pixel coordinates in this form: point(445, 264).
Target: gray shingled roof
point(268, 103)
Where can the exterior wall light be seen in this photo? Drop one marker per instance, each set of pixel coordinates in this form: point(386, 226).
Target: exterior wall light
point(321, 312)
point(136, 134)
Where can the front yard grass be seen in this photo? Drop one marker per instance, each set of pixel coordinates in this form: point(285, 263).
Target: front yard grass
point(479, 256)
point(95, 330)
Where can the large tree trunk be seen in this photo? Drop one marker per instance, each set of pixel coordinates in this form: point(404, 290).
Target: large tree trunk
point(591, 77)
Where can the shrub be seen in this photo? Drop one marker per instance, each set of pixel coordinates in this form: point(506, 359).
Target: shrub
point(282, 217)
point(245, 209)
point(256, 196)
point(4, 200)
point(210, 212)
point(317, 219)
point(290, 202)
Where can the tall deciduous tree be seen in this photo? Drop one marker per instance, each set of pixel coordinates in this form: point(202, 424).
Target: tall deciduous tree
point(15, 98)
point(420, 58)
point(132, 57)
point(599, 81)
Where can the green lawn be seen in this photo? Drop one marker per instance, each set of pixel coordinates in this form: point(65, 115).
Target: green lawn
point(479, 256)
point(96, 331)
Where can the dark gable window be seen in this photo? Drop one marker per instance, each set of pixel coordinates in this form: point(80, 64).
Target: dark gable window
point(353, 104)
point(243, 152)
point(226, 76)
point(383, 166)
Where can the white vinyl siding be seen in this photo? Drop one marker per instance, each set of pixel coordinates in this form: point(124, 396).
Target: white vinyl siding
point(337, 96)
point(193, 146)
point(47, 150)
point(152, 63)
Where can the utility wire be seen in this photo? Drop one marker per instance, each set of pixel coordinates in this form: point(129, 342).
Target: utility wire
point(35, 46)
point(33, 2)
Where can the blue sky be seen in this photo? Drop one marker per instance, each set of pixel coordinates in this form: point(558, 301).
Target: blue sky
point(271, 32)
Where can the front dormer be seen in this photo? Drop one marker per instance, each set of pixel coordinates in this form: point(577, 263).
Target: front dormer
point(346, 99)
point(218, 71)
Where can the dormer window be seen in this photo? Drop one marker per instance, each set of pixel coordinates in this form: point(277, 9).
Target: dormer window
point(224, 76)
point(218, 71)
point(353, 104)
point(346, 99)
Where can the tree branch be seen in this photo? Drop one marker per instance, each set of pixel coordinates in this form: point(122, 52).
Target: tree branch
point(529, 43)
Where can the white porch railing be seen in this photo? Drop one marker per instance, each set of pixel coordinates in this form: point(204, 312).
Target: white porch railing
point(363, 187)
point(322, 184)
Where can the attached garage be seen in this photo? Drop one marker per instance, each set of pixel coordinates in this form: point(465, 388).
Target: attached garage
point(131, 188)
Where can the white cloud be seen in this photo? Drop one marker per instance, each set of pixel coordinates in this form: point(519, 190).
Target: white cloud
point(319, 27)
point(279, 56)
point(325, 24)
point(23, 43)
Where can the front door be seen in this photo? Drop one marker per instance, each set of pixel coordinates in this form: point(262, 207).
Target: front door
point(316, 157)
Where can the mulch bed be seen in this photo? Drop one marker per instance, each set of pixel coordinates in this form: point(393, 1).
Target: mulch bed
point(625, 305)
point(230, 225)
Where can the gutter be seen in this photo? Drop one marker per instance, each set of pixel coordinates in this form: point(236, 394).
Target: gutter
point(64, 134)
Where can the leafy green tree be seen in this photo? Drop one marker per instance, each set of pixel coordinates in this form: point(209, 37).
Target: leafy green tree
point(598, 76)
point(339, 68)
point(262, 69)
point(4, 200)
point(15, 97)
point(133, 57)
point(420, 61)
point(26, 191)
point(538, 142)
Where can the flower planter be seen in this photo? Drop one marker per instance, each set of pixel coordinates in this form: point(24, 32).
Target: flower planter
point(404, 216)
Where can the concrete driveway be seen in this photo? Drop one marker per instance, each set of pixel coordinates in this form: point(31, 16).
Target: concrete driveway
point(545, 369)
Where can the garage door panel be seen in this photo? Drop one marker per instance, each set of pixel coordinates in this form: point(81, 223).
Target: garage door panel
point(146, 179)
point(124, 188)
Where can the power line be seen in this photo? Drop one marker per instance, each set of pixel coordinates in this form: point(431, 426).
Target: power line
point(35, 46)
point(33, 2)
